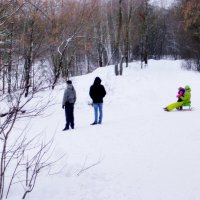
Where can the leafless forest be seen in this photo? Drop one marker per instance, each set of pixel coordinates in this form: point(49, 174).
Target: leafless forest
point(70, 37)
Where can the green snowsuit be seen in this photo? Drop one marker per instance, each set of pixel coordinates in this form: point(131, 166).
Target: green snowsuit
point(186, 100)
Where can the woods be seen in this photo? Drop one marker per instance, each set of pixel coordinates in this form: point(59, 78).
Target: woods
point(75, 37)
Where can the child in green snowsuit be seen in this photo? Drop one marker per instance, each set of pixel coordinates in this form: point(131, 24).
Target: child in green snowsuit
point(185, 100)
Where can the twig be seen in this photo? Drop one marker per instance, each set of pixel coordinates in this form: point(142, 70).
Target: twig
point(86, 168)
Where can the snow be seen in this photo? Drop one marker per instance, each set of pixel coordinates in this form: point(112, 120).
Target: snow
point(139, 152)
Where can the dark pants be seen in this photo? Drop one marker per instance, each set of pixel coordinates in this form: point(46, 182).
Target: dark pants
point(181, 107)
point(69, 114)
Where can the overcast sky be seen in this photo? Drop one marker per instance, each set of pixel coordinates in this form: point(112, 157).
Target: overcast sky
point(163, 3)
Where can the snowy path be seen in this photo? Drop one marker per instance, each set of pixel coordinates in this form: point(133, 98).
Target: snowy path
point(144, 152)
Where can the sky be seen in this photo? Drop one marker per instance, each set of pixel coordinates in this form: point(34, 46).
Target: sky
point(163, 3)
point(139, 151)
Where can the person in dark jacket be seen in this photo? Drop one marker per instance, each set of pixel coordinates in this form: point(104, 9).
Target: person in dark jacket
point(97, 93)
point(69, 99)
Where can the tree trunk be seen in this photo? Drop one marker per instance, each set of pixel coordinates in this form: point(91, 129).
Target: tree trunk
point(10, 60)
point(28, 60)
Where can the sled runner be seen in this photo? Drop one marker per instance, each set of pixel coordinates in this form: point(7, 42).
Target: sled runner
point(187, 106)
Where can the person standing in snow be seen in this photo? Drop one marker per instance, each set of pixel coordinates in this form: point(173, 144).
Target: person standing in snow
point(69, 99)
point(97, 93)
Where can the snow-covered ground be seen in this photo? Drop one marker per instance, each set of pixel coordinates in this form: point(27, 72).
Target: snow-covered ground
point(139, 152)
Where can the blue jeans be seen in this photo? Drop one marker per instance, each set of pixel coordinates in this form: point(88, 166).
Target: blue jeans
point(98, 109)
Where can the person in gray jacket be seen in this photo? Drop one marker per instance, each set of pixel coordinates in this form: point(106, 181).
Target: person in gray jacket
point(69, 99)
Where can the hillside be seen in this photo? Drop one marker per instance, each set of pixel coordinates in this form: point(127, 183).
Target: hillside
point(139, 152)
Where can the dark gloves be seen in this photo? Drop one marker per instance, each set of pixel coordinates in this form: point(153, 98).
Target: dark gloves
point(63, 106)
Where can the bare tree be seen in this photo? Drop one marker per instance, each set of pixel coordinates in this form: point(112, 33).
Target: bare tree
point(19, 153)
point(66, 31)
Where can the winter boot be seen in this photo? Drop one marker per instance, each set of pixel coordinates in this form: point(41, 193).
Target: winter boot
point(66, 128)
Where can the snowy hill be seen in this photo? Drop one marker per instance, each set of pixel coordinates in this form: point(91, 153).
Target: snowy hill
point(139, 152)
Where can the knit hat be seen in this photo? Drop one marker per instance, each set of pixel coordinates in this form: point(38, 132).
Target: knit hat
point(69, 82)
point(187, 87)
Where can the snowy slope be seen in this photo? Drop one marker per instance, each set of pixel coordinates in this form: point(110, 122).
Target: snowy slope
point(139, 152)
